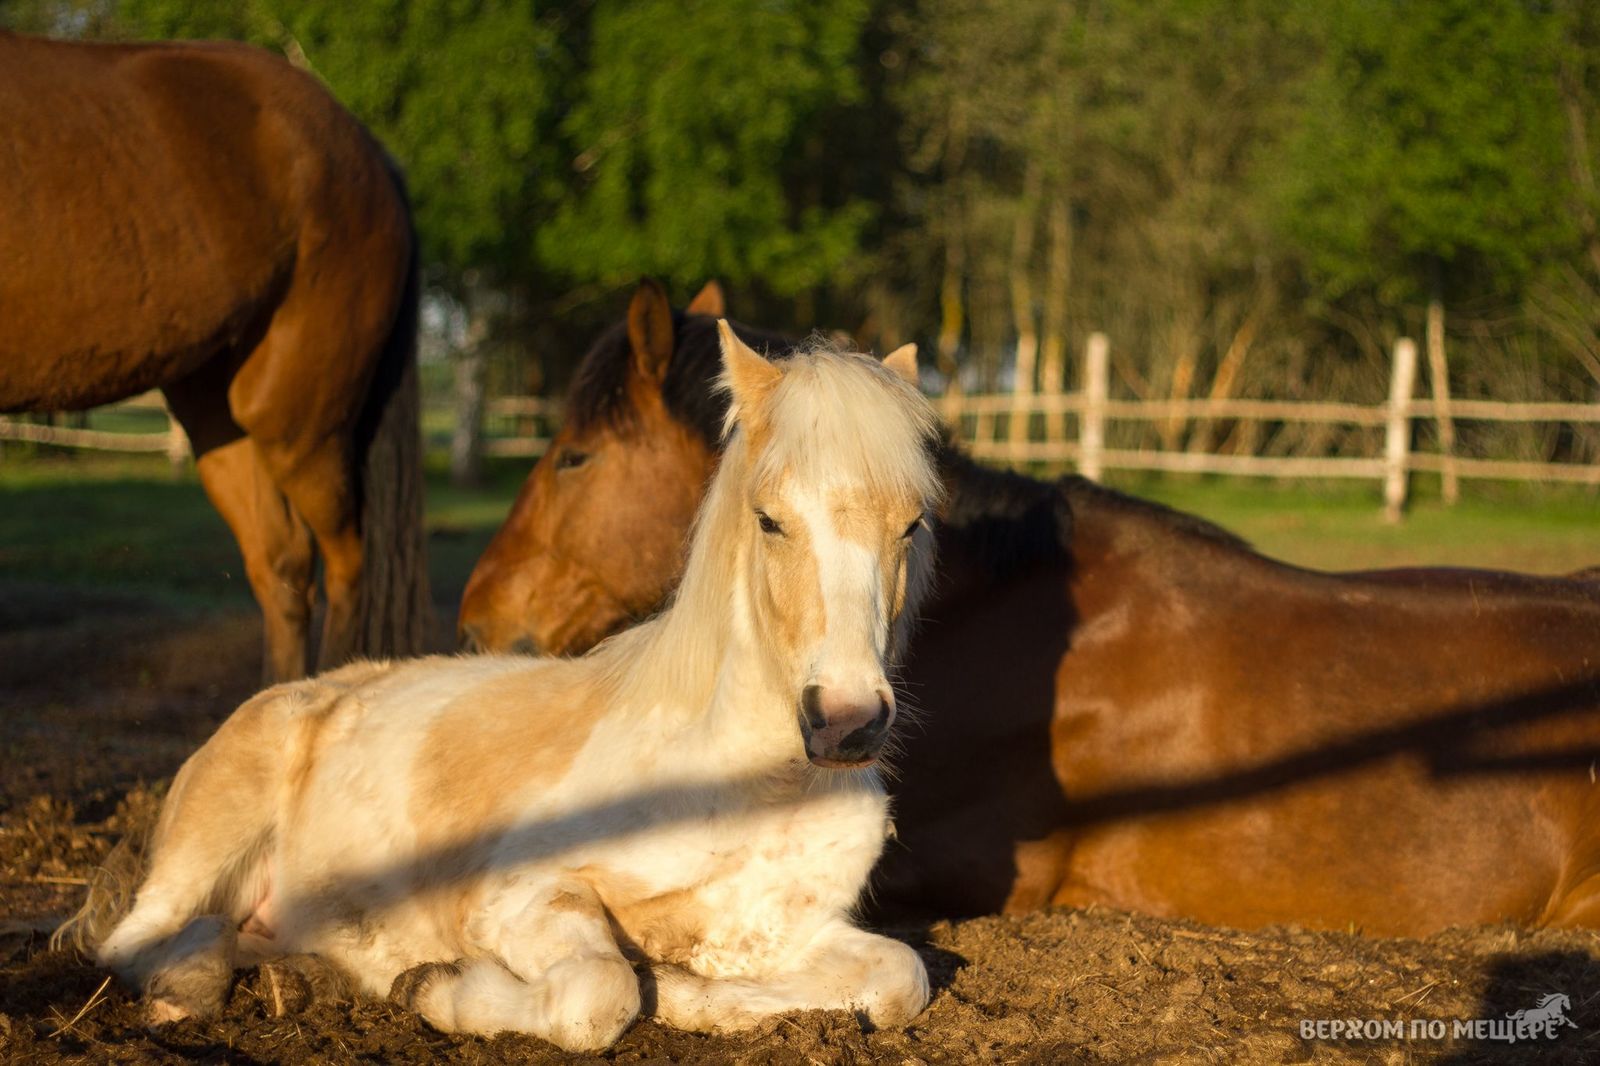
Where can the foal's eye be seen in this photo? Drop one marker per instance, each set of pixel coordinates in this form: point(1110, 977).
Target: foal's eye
point(768, 523)
point(569, 459)
point(911, 530)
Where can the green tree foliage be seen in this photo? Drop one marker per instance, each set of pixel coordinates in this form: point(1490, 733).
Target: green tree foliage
point(1430, 137)
point(698, 143)
point(1249, 196)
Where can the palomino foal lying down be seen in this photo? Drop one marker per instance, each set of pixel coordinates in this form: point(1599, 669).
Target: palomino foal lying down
point(696, 795)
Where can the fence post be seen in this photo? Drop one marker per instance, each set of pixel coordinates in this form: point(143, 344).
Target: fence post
point(1397, 438)
point(1096, 387)
point(1022, 393)
point(177, 443)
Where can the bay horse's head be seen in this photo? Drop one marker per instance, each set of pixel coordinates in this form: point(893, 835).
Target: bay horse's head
point(818, 516)
point(595, 540)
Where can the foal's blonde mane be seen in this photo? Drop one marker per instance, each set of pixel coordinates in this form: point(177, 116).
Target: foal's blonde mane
point(834, 419)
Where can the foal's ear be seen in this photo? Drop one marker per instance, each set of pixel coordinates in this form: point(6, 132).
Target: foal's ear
point(650, 330)
point(903, 361)
point(708, 301)
point(750, 378)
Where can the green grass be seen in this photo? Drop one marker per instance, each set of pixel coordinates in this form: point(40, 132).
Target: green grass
point(1339, 526)
point(130, 523)
point(133, 523)
point(124, 521)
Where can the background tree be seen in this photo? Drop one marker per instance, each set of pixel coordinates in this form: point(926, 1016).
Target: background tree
point(702, 145)
point(1252, 198)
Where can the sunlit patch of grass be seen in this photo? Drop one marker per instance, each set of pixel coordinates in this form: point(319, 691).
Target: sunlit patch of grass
point(135, 521)
point(1541, 529)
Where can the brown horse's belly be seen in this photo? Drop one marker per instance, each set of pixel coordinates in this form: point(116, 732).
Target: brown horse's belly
point(1295, 862)
point(1383, 765)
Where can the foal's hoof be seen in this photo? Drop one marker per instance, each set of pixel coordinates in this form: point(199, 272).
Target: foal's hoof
point(409, 988)
point(194, 980)
point(293, 983)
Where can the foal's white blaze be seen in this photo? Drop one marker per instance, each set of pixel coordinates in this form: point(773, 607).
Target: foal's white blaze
point(847, 662)
point(548, 824)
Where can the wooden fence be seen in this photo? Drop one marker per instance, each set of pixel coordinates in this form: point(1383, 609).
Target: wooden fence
point(1094, 408)
point(169, 440)
point(521, 426)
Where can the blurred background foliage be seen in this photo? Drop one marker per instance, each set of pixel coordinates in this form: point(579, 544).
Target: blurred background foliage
point(1251, 197)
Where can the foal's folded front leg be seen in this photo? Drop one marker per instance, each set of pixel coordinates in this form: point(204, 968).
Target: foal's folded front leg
point(844, 968)
point(550, 968)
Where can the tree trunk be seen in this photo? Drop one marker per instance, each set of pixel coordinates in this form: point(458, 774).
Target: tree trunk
point(1439, 375)
point(952, 318)
point(1185, 347)
point(1053, 354)
point(1022, 317)
point(466, 440)
point(952, 311)
point(1228, 369)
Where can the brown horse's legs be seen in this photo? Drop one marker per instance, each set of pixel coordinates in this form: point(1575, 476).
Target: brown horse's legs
point(277, 550)
point(294, 392)
point(320, 489)
point(279, 557)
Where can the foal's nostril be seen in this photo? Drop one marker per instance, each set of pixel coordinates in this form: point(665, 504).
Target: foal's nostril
point(811, 705)
point(523, 645)
point(865, 740)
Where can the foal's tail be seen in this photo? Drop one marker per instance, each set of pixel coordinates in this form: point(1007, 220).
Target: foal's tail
point(395, 605)
point(206, 853)
point(109, 896)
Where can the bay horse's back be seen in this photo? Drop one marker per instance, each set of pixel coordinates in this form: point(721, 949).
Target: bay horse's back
point(205, 219)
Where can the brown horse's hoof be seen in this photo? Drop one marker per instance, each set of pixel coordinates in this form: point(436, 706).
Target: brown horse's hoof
point(410, 986)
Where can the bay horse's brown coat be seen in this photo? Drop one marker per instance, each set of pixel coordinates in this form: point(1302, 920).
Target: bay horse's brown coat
point(1127, 706)
point(204, 219)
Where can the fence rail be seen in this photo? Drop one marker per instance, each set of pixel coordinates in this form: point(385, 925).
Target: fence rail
point(526, 413)
point(976, 415)
point(171, 440)
point(521, 426)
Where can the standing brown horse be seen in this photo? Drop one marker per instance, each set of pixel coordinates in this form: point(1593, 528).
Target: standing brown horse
point(1126, 705)
point(207, 220)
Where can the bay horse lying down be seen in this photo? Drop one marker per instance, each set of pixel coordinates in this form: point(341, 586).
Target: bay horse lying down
point(696, 795)
point(204, 219)
point(1126, 706)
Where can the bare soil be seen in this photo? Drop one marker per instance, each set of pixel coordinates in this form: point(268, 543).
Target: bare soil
point(102, 697)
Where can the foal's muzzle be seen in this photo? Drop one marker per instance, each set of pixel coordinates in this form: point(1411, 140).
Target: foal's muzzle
point(840, 734)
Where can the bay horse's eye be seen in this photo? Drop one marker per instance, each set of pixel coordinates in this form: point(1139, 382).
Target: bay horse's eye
point(570, 459)
point(911, 530)
point(768, 523)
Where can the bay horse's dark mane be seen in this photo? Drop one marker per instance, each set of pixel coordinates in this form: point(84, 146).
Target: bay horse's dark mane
point(1006, 520)
point(600, 388)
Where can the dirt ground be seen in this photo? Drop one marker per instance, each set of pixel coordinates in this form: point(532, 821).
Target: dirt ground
point(101, 698)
